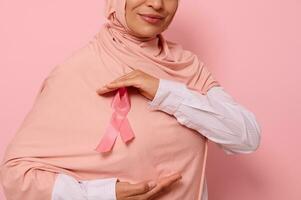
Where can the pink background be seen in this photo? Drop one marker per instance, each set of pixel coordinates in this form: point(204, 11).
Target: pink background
point(250, 47)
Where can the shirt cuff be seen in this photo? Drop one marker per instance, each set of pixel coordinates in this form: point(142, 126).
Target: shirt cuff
point(168, 97)
point(67, 187)
point(100, 188)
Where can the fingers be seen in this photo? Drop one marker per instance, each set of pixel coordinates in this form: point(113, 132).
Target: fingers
point(162, 186)
point(145, 190)
point(125, 190)
point(113, 86)
point(123, 77)
point(146, 84)
point(140, 188)
point(130, 75)
point(123, 81)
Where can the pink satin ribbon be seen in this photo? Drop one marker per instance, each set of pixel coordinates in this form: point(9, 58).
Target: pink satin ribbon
point(119, 123)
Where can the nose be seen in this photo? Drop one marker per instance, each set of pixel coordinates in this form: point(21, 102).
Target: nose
point(156, 4)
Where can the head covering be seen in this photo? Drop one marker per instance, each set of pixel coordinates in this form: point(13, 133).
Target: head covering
point(60, 132)
point(154, 55)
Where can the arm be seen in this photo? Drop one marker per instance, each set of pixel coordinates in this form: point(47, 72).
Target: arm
point(27, 171)
point(216, 115)
point(67, 187)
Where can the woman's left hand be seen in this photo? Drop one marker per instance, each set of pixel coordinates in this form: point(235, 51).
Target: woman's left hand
point(146, 84)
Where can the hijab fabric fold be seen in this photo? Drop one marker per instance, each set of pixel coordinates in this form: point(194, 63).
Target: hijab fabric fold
point(154, 55)
point(167, 57)
point(68, 118)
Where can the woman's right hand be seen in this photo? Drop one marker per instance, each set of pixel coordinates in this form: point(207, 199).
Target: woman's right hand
point(144, 190)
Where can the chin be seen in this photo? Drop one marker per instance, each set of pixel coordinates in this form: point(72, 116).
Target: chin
point(147, 33)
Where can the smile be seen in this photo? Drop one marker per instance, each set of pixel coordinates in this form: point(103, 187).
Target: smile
point(151, 20)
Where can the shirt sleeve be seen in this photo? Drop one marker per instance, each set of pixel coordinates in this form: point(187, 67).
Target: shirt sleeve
point(67, 187)
point(215, 115)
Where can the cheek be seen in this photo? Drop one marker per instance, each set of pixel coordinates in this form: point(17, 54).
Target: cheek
point(130, 18)
point(170, 16)
point(172, 8)
point(134, 20)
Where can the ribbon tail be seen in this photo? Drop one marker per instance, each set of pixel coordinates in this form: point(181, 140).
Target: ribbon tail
point(108, 139)
point(126, 132)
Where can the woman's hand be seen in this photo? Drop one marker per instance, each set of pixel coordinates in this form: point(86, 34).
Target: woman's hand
point(145, 83)
point(142, 191)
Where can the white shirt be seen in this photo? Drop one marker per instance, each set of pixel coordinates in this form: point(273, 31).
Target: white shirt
point(216, 115)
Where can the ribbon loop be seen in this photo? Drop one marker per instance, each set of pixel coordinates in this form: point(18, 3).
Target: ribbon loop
point(119, 123)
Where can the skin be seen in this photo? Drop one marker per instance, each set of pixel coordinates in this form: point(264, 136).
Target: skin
point(145, 83)
point(147, 86)
point(165, 8)
point(143, 191)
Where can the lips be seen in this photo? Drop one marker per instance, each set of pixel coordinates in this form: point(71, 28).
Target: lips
point(151, 18)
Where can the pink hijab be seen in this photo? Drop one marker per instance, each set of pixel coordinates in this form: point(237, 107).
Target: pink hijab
point(60, 132)
point(154, 55)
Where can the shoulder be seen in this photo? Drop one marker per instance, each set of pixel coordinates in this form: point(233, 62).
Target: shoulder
point(76, 63)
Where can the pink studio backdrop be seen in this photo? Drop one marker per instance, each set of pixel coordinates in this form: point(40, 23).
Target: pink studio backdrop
point(250, 47)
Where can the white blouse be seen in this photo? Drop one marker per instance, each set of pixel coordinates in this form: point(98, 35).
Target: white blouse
point(216, 115)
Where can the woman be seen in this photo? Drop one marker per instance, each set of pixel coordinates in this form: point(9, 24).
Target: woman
point(128, 116)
